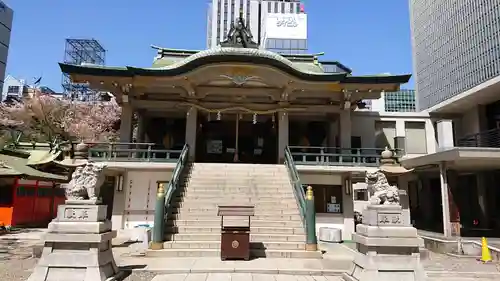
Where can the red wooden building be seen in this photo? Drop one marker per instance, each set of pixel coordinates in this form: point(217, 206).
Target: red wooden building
point(29, 194)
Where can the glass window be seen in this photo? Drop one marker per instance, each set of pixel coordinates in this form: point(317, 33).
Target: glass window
point(6, 194)
point(416, 142)
point(286, 44)
point(282, 7)
point(327, 198)
point(361, 195)
point(13, 90)
point(269, 7)
point(385, 132)
point(276, 7)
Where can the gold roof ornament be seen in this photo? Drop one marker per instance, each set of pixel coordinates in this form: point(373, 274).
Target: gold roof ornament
point(389, 163)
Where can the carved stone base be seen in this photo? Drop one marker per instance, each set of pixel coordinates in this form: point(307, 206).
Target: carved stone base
point(77, 246)
point(388, 247)
point(83, 201)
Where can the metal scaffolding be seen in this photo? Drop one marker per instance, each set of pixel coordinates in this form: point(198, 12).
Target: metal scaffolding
point(77, 52)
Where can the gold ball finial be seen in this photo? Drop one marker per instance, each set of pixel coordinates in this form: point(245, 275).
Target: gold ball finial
point(161, 189)
point(309, 193)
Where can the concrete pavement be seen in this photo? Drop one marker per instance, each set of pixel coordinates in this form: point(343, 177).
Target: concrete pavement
point(242, 277)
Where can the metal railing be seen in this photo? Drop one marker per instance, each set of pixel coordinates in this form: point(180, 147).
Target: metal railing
point(164, 197)
point(173, 185)
point(305, 202)
point(489, 138)
point(131, 152)
point(334, 156)
point(298, 189)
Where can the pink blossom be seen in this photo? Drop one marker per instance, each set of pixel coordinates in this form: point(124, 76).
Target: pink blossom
point(49, 118)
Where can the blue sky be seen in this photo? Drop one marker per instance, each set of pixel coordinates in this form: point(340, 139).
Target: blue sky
point(368, 36)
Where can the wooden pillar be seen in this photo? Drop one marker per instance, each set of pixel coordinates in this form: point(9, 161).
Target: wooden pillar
point(283, 135)
point(126, 123)
point(191, 129)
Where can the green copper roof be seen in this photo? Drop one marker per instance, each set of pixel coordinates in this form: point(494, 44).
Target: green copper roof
point(18, 166)
point(188, 60)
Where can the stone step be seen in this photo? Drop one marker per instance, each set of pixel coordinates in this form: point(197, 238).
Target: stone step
point(262, 178)
point(231, 173)
point(234, 176)
point(234, 197)
point(216, 245)
point(259, 210)
point(253, 223)
point(237, 166)
point(212, 216)
point(217, 229)
point(194, 204)
point(254, 237)
point(216, 191)
point(257, 253)
point(239, 182)
point(239, 190)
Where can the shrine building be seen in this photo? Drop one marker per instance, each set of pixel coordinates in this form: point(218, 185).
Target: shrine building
point(241, 105)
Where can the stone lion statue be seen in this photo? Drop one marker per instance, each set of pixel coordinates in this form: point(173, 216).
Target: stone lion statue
point(86, 182)
point(382, 192)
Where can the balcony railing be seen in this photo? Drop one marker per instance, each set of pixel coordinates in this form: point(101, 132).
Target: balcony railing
point(131, 152)
point(489, 138)
point(334, 156)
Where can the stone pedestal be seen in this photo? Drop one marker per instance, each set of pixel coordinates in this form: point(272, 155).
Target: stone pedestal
point(388, 246)
point(77, 246)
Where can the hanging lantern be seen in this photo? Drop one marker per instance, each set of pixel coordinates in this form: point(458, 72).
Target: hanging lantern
point(218, 115)
point(254, 120)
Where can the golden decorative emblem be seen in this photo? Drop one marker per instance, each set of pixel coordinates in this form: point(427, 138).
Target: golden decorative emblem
point(240, 71)
point(235, 244)
point(334, 87)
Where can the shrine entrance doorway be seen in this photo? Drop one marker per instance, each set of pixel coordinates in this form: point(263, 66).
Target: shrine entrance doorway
point(237, 138)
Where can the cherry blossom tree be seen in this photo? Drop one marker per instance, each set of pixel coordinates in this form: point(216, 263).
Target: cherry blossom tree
point(46, 118)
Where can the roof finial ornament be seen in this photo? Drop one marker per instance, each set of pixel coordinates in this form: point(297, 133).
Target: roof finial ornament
point(239, 35)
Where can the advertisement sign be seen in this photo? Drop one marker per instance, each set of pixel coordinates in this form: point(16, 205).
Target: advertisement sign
point(286, 26)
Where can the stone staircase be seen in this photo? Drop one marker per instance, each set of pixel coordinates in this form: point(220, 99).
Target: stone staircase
point(193, 227)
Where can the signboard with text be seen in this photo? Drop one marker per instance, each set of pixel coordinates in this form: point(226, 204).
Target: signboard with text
point(286, 26)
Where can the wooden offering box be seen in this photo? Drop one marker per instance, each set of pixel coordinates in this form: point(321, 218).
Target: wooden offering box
point(235, 238)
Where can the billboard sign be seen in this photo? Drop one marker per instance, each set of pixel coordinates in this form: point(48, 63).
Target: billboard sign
point(286, 26)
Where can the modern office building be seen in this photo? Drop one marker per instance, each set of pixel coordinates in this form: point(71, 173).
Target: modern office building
point(398, 101)
point(456, 47)
point(284, 27)
point(6, 16)
point(456, 57)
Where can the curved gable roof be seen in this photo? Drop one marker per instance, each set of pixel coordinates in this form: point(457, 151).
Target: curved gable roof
point(227, 55)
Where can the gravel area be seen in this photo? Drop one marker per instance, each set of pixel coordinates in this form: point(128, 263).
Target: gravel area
point(16, 262)
point(140, 276)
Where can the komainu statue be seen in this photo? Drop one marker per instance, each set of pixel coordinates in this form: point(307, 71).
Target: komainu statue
point(85, 183)
point(382, 192)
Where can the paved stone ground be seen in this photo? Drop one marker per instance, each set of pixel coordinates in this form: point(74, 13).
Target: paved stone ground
point(241, 277)
point(16, 264)
point(440, 262)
